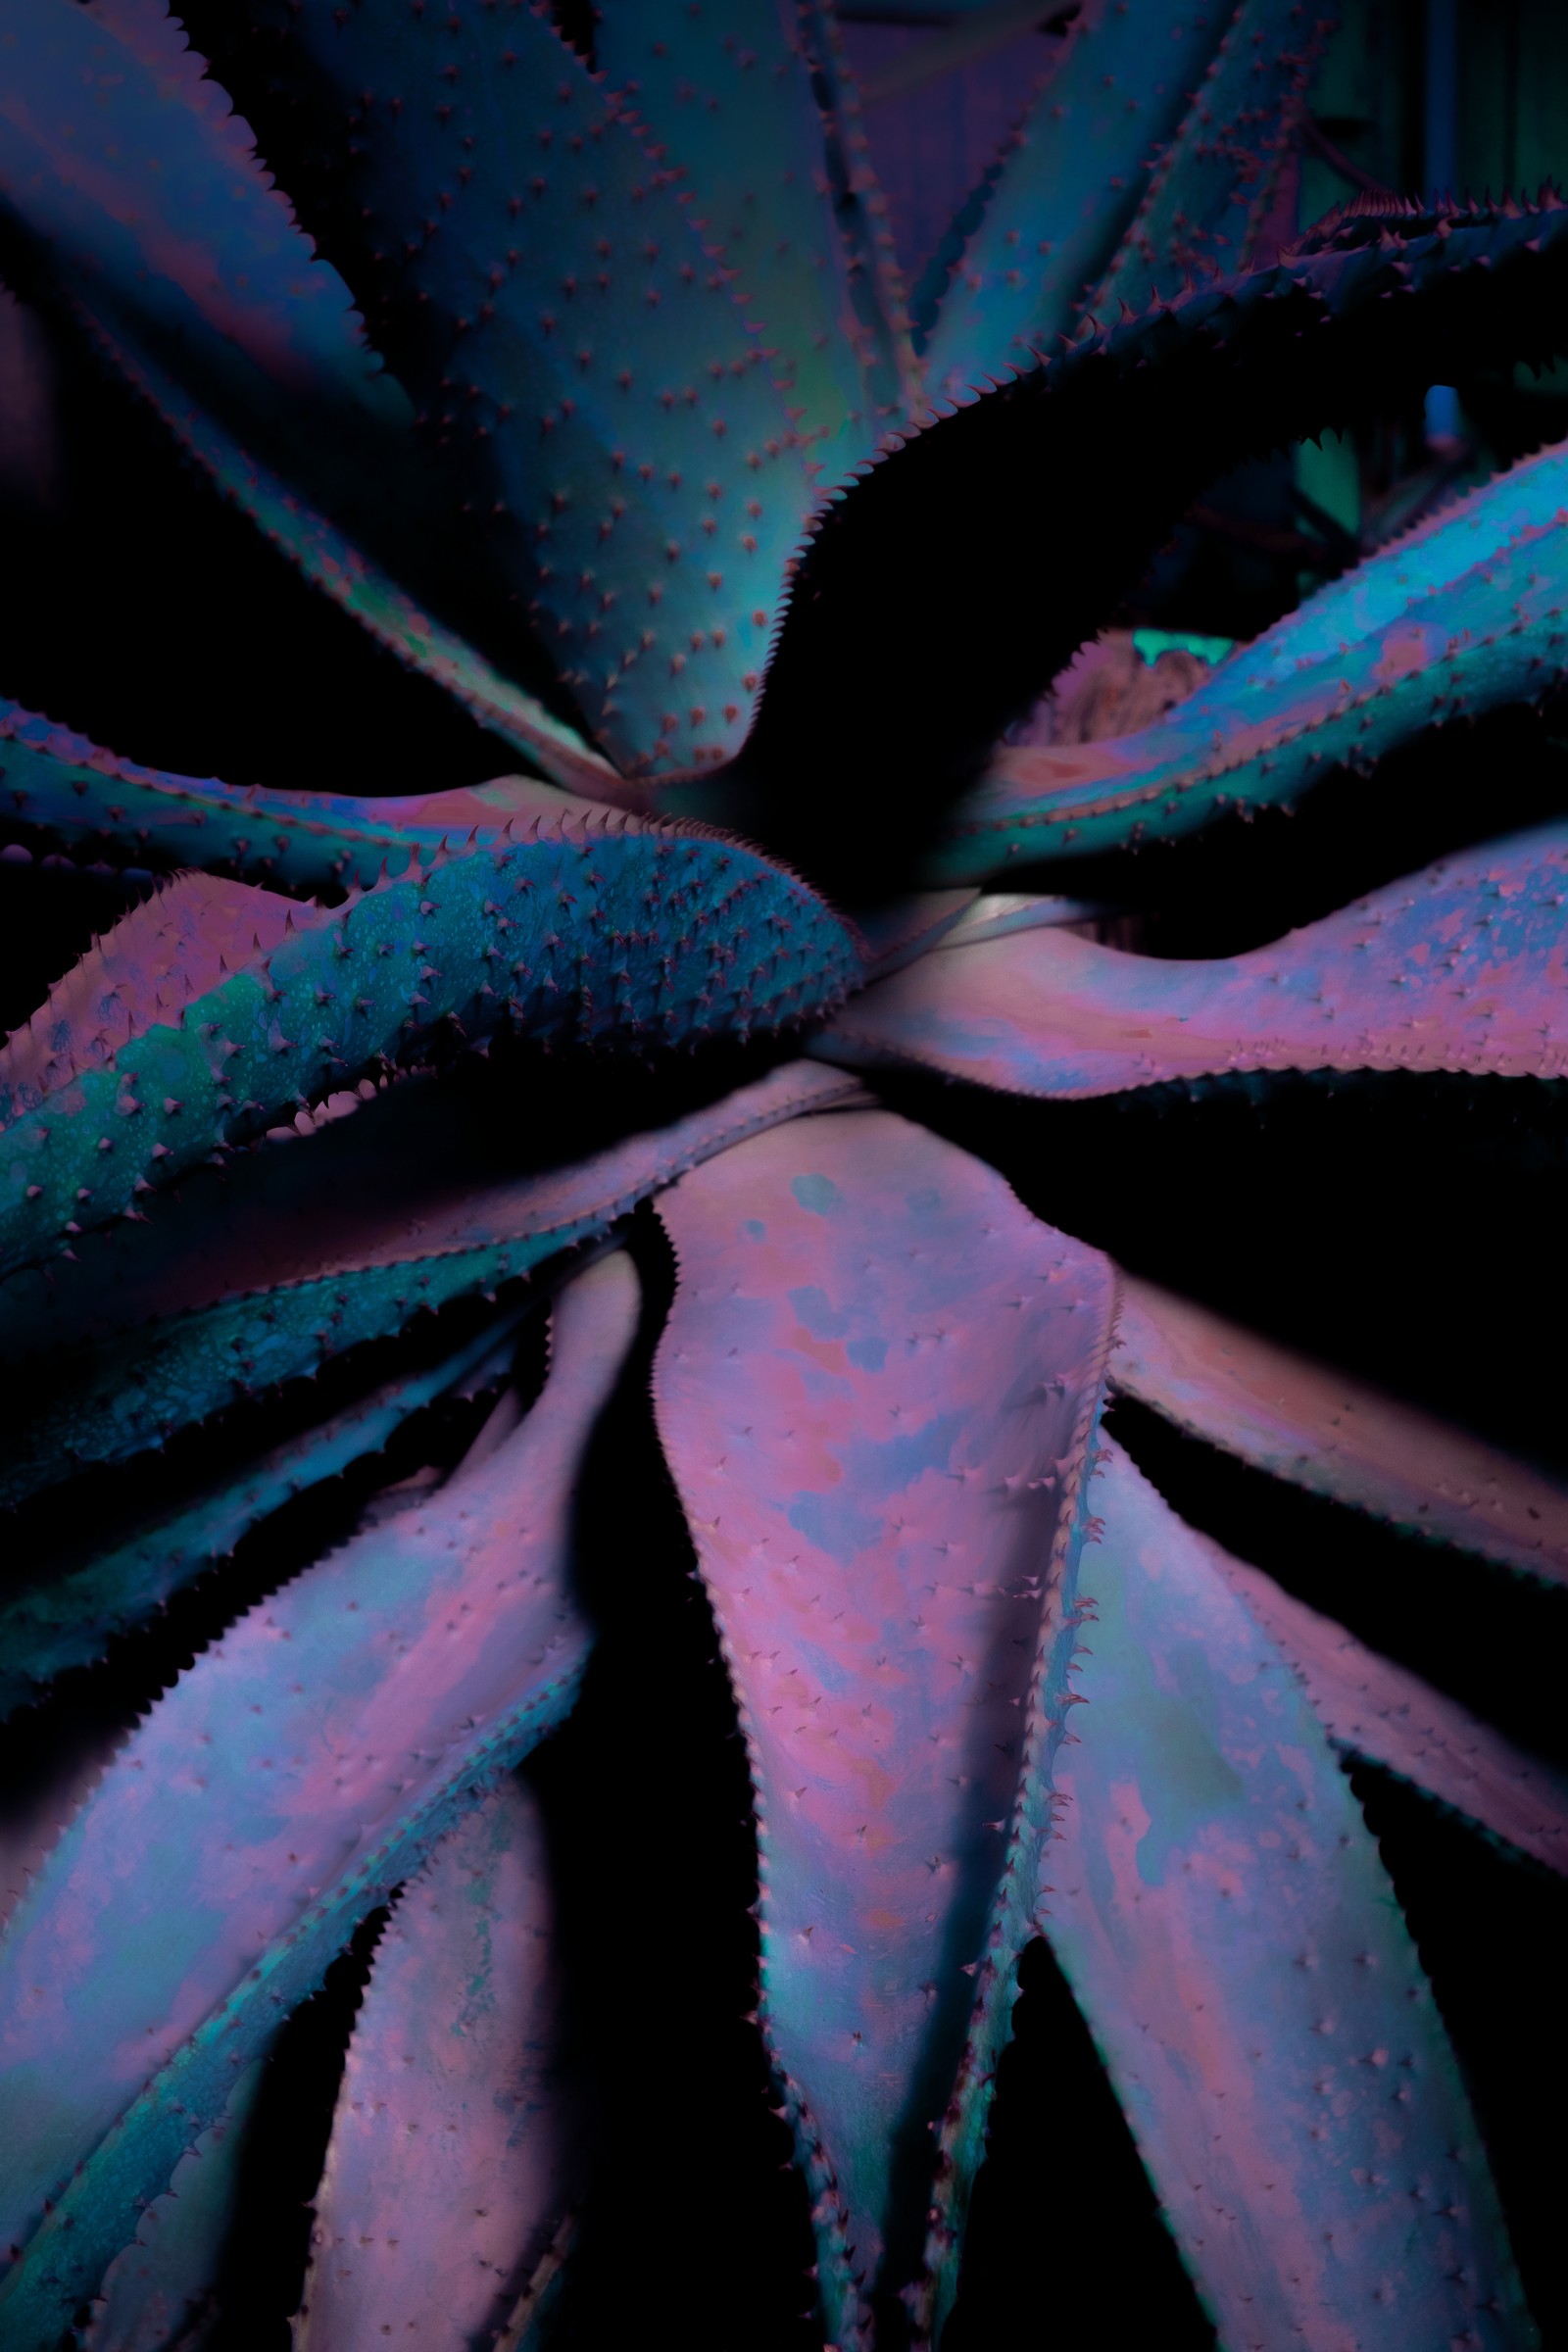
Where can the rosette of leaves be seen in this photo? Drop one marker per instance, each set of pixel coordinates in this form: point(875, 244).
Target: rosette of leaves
point(581, 376)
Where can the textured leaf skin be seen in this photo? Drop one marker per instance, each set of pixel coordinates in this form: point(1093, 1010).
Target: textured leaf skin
point(724, 92)
point(1465, 614)
point(578, 935)
point(1064, 192)
point(1320, 1429)
point(334, 563)
point(299, 1771)
point(886, 588)
point(316, 1295)
point(874, 1513)
point(574, 351)
point(1213, 189)
point(58, 789)
point(451, 2149)
point(1372, 1707)
point(68, 1617)
point(1460, 968)
point(158, 2293)
point(1220, 1912)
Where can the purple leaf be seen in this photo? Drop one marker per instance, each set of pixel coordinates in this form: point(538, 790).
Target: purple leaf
point(1374, 1708)
point(263, 1273)
point(874, 1393)
point(1218, 1907)
point(1322, 1430)
point(452, 2148)
point(291, 1778)
point(1460, 968)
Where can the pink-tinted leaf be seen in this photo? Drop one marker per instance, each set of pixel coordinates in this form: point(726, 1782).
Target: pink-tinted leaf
point(289, 1779)
point(1220, 1911)
point(452, 2151)
point(1375, 1708)
point(874, 1393)
point(1460, 968)
point(302, 1252)
point(1320, 1429)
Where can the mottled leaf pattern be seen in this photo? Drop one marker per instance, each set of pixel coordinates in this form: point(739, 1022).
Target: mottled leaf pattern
point(1220, 1912)
point(874, 1513)
point(1371, 1707)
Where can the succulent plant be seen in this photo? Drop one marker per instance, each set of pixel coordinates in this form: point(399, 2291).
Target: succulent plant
point(576, 367)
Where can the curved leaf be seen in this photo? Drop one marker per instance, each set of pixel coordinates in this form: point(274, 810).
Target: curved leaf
point(60, 788)
point(1372, 1707)
point(1219, 1909)
point(875, 1512)
point(1324, 1431)
point(588, 384)
point(161, 1344)
point(291, 1778)
point(1469, 612)
point(64, 1616)
point(726, 92)
point(580, 934)
point(160, 2292)
point(1063, 192)
point(451, 2148)
point(1460, 968)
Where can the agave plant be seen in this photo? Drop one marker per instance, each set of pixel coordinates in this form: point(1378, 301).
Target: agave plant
point(581, 376)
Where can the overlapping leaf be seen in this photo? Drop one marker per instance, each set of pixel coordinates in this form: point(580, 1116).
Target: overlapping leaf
point(1460, 968)
point(581, 934)
point(1372, 1707)
point(590, 386)
point(453, 2152)
point(290, 1778)
point(877, 1511)
point(728, 93)
point(1469, 612)
point(1335, 1435)
point(1220, 1912)
point(1048, 221)
point(298, 1258)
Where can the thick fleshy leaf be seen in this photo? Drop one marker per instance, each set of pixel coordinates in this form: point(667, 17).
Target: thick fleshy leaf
point(586, 379)
point(66, 1614)
point(1371, 1707)
point(332, 562)
point(1045, 225)
point(580, 933)
point(724, 91)
point(1161, 404)
point(276, 1279)
point(876, 1507)
point(1212, 190)
point(160, 2293)
point(62, 791)
point(289, 1779)
point(1465, 614)
point(1322, 1430)
point(1460, 968)
point(453, 2146)
point(1219, 1909)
